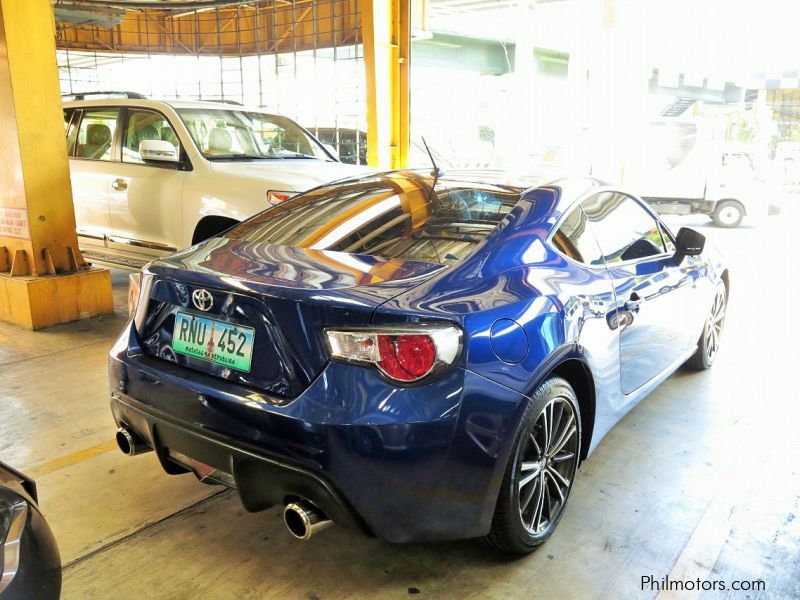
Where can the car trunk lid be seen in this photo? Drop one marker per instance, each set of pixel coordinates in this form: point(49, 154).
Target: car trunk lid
point(286, 296)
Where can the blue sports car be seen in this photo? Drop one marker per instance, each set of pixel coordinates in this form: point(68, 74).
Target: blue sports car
point(419, 356)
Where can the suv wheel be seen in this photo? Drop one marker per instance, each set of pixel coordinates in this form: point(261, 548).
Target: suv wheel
point(728, 213)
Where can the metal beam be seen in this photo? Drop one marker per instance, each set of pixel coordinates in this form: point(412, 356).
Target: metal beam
point(259, 26)
point(43, 277)
point(386, 31)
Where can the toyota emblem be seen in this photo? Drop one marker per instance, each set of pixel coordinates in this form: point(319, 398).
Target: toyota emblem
point(202, 299)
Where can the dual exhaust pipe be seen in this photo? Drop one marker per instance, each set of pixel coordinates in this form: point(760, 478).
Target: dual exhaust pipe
point(302, 518)
point(130, 443)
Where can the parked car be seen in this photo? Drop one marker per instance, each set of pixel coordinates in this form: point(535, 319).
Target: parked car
point(150, 177)
point(683, 171)
point(418, 356)
point(31, 564)
point(350, 145)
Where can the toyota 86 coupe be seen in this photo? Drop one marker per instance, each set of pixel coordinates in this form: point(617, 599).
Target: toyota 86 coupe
point(420, 356)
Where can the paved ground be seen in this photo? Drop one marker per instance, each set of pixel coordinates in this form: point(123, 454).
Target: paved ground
point(702, 479)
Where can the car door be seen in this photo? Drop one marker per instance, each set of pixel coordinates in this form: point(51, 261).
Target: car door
point(145, 200)
point(90, 147)
point(652, 292)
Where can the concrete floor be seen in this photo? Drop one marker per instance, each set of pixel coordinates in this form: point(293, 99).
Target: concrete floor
point(702, 479)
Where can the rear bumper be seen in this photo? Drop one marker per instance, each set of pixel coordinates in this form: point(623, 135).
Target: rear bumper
point(406, 464)
point(261, 481)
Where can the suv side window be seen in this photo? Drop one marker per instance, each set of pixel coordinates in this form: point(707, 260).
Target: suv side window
point(575, 239)
point(624, 229)
point(71, 118)
point(145, 125)
point(96, 133)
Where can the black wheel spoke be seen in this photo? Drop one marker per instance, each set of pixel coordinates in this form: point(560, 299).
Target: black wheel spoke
point(535, 445)
point(546, 415)
point(568, 431)
point(557, 487)
point(537, 514)
point(547, 505)
point(528, 477)
point(558, 414)
point(558, 477)
point(525, 501)
point(562, 456)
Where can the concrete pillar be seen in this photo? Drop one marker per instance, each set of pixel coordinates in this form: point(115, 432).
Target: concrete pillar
point(43, 277)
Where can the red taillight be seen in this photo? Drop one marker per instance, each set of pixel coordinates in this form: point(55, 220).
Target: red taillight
point(404, 353)
point(406, 357)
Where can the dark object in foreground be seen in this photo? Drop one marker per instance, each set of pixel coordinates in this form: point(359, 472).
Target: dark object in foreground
point(29, 559)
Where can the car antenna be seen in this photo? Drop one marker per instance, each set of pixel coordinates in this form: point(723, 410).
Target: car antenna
point(435, 173)
point(436, 170)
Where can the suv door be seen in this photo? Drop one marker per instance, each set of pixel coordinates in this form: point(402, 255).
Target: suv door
point(145, 201)
point(90, 146)
point(652, 293)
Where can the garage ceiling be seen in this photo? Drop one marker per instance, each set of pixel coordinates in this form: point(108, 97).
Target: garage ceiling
point(160, 4)
point(109, 13)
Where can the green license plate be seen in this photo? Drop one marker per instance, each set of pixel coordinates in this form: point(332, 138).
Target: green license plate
point(214, 341)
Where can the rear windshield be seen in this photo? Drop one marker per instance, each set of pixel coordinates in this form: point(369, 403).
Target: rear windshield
point(402, 215)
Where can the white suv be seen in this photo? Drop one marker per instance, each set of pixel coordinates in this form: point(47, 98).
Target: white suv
point(150, 177)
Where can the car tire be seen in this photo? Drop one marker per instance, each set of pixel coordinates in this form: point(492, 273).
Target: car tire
point(728, 214)
point(542, 460)
point(708, 344)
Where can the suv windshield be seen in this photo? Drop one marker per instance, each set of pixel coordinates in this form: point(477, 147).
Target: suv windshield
point(400, 215)
point(229, 134)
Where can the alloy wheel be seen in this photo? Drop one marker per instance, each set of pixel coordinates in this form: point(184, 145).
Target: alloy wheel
point(714, 324)
point(546, 466)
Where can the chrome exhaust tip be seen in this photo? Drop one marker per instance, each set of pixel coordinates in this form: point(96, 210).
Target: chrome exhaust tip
point(303, 519)
point(129, 443)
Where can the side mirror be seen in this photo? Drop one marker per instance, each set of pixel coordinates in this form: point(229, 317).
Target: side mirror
point(688, 243)
point(158, 151)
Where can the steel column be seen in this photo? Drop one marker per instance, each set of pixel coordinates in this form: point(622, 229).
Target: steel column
point(387, 41)
point(43, 277)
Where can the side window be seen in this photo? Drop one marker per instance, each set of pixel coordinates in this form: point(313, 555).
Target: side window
point(96, 133)
point(624, 229)
point(576, 240)
point(145, 125)
point(71, 118)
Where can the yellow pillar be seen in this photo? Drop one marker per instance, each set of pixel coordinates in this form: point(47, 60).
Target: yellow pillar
point(386, 32)
point(43, 277)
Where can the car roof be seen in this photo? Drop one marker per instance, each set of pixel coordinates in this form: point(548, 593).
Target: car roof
point(158, 104)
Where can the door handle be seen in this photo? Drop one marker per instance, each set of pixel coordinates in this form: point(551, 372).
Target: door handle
point(119, 184)
point(632, 305)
